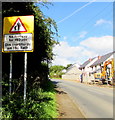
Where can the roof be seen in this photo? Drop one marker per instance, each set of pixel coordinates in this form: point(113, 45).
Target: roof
point(85, 63)
point(102, 59)
point(73, 65)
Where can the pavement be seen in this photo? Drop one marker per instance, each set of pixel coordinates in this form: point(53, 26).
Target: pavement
point(66, 107)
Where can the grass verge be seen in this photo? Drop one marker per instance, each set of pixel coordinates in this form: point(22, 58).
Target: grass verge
point(40, 104)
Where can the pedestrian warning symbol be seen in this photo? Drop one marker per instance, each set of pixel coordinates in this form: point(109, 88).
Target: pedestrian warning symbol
point(18, 27)
point(18, 34)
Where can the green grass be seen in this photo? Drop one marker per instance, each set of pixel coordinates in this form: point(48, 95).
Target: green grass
point(56, 78)
point(49, 106)
point(40, 104)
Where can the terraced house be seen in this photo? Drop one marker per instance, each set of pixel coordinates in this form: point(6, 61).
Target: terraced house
point(96, 65)
point(90, 67)
point(86, 69)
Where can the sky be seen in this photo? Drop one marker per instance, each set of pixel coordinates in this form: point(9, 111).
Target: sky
point(85, 30)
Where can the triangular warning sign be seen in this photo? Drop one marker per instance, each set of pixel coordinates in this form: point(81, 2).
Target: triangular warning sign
point(18, 27)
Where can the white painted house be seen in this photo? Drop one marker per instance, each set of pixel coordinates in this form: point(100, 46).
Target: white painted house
point(97, 65)
point(86, 69)
point(72, 73)
point(94, 65)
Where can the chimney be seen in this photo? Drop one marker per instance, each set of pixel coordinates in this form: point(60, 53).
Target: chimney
point(90, 59)
point(99, 57)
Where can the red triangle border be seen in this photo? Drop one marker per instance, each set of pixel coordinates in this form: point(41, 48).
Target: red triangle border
point(17, 31)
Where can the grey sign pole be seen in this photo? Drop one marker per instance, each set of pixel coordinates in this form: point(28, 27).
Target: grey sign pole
point(10, 76)
point(25, 75)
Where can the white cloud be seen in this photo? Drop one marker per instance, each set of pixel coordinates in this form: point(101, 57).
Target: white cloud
point(65, 50)
point(66, 54)
point(61, 61)
point(102, 21)
point(91, 47)
point(99, 44)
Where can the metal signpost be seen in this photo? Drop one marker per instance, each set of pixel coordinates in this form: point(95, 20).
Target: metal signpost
point(18, 36)
point(25, 75)
point(10, 75)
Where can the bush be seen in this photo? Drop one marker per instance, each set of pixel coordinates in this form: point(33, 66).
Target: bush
point(40, 104)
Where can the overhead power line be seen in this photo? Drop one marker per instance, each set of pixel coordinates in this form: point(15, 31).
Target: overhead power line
point(98, 14)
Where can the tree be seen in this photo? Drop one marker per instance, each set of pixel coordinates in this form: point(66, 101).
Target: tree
point(56, 71)
point(68, 65)
point(38, 60)
point(43, 40)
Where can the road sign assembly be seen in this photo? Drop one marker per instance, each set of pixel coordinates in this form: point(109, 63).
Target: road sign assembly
point(18, 34)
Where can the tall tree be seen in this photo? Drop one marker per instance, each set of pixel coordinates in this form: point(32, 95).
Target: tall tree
point(43, 41)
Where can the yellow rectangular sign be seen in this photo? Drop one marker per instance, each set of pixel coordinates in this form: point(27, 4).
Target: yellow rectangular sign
point(18, 34)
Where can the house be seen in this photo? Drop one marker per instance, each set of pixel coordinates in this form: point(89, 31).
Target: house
point(94, 65)
point(97, 65)
point(86, 69)
point(72, 73)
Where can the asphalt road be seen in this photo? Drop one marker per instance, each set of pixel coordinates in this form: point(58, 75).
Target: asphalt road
point(94, 102)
